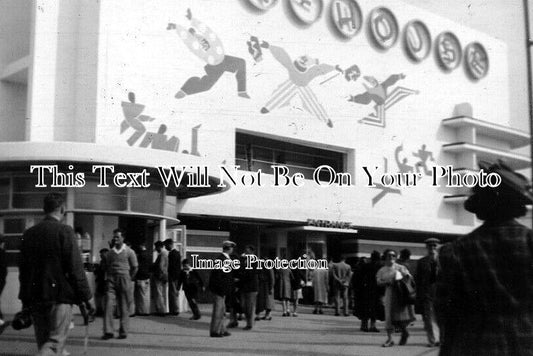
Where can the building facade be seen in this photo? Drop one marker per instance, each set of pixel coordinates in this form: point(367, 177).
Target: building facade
point(337, 127)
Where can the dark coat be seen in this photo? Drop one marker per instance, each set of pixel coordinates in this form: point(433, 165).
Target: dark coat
point(367, 293)
point(425, 278)
point(50, 266)
point(220, 282)
point(192, 282)
point(485, 291)
point(174, 264)
point(144, 258)
point(3, 267)
point(248, 278)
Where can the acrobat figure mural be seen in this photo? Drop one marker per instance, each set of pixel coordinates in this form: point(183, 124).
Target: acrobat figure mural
point(206, 45)
point(404, 167)
point(301, 71)
point(156, 140)
point(377, 93)
point(423, 155)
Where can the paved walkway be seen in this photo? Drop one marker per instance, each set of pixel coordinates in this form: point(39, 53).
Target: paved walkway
point(307, 334)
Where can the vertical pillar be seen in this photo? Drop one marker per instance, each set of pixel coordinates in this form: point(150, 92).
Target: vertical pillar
point(43, 71)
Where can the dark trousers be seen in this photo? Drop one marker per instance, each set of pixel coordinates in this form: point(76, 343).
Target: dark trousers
point(191, 299)
point(118, 292)
point(2, 285)
point(173, 296)
point(217, 318)
point(249, 300)
point(230, 64)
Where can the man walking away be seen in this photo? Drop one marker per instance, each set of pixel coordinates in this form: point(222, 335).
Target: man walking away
point(160, 279)
point(342, 273)
point(426, 278)
point(485, 281)
point(51, 277)
point(221, 284)
point(142, 281)
point(192, 283)
point(174, 268)
point(121, 267)
point(3, 276)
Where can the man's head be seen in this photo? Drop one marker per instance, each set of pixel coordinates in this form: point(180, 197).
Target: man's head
point(54, 205)
point(2, 242)
point(118, 238)
point(227, 247)
point(169, 244)
point(372, 81)
point(506, 201)
point(352, 73)
point(158, 246)
point(431, 245)
point(185, 264)
point(103, 252)
point(405, 254)
point(305, 62)
point(249, 250)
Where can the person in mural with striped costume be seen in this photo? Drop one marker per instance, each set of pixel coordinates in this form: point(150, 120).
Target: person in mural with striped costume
point(301, 72)
point(206, 45)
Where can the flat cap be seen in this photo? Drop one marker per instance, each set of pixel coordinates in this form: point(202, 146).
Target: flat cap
point(228, 243)
point(432, 240)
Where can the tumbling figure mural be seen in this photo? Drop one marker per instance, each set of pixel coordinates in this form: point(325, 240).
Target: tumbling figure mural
point(206, 45)
point(301, 71)
point(377, 93)
point(157, 140)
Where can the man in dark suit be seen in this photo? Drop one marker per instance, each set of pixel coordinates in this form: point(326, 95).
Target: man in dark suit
point(426, 278)
point(174, 269)
point(51, 277)
point(221, 285)
point(3, 276)
point(192, 283)
point(485, 285)
point(248, 287)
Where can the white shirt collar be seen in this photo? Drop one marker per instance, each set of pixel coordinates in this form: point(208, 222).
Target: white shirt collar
point(225, 254)
point(123, 248)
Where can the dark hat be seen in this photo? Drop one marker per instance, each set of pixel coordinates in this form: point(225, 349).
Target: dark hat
point(168, 242)
point(228, 243)
point(158, 244)
point(432, 240)
point(512, 183)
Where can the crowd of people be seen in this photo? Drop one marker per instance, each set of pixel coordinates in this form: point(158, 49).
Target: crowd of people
point(475, 294)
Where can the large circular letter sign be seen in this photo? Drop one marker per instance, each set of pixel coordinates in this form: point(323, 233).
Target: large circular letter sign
point(476, 60)
point(347, 17)
point(307, 11)
point(448, 50)
point(264, 4)
point(417, 40)
point(383, 27)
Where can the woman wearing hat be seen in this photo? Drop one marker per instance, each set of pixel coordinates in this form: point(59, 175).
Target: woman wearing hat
point(485, 281)
point(397, 313)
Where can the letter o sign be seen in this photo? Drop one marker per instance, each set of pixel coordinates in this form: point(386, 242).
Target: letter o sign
point(384, 30)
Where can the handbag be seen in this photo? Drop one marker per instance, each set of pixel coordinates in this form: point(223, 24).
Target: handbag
point(406, 290)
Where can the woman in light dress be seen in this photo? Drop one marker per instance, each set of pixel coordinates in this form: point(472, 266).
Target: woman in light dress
point(397, 314)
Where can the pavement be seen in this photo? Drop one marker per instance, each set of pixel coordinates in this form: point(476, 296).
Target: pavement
point(307, 334)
